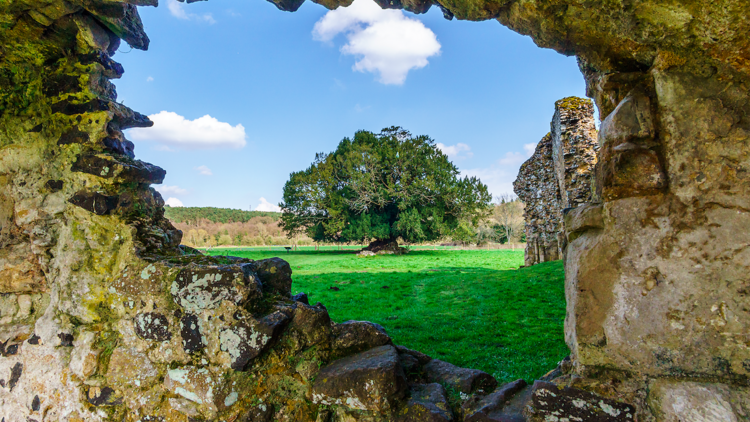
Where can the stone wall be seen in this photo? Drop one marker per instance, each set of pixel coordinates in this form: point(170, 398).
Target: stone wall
point(557, 176)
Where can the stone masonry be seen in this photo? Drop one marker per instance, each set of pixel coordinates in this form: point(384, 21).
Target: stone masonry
point(556, 177)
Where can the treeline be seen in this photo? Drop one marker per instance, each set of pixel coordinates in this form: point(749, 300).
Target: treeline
point(204, 227)
point(215, 215)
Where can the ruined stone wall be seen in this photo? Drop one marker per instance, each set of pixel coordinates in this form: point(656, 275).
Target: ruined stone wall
point(557, 176)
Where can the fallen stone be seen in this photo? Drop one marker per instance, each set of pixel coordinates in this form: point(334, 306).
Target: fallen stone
point(371, 380)
point(464, 380)
point(550, 402)
point(486, 408)
point(357, 336)
point(428, 403)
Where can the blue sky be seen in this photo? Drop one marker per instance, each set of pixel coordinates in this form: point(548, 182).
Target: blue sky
point(244, 94)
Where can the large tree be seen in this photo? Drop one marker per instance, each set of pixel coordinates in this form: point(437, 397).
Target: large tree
point(381, 187)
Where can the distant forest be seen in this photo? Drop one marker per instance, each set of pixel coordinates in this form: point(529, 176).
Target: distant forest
point(208, 226)
point(215, 215)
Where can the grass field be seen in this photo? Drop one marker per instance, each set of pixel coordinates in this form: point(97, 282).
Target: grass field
point(475, 309)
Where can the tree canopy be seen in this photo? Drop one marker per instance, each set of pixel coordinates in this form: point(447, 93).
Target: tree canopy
point(382, 187)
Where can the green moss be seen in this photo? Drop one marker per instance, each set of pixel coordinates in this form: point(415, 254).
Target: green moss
point(573, 103)
point(106, 343)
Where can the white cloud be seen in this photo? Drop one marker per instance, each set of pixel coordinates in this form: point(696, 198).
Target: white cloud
point(455, 151)
point(150, 79)
point(203, 170)
point(177, 10)
point(499, 180)
point(530, 148)
point(173, 202)
point(383, 41)
point(267, 206)
point(170, 190)
point(512, 159)
point(174, 131)
point(499, 177)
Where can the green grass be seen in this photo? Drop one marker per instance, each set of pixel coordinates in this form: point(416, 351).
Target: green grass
point(474, 309)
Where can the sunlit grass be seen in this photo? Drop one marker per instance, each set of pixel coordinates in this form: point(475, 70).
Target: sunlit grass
point(474, 309)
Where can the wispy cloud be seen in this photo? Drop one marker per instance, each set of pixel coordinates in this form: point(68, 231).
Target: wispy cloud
point(170, 190)
point(499, 176)
point(383, 41)
point(267, 206)
point(178, 10)
point(204, 171)
point(459, 151)
point(150, 79)
point(173, 131)
point(512, 159)
point(530, 148)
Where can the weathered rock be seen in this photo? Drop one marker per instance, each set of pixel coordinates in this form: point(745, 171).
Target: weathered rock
point(130, 368)
point(693, 401)
point(488, 408)
point(130, 170)
point(275, 274)
point(313, 322)
point(152, 326)
point(549, 401)
point(357, 336)
point(427, 403)
point(462, 379)
point(198, 385)
point(95, 202)
point(245, 341)
point(192, 340)
point(371, 380)
point(199, 288)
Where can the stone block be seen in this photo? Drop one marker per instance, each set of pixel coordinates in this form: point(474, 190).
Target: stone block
point(371, 380)
point(357, 336)
point(550, 402)
point(427, 403)
point(462, 379)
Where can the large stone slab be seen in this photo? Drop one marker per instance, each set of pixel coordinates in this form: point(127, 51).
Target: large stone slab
point(371, 380)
